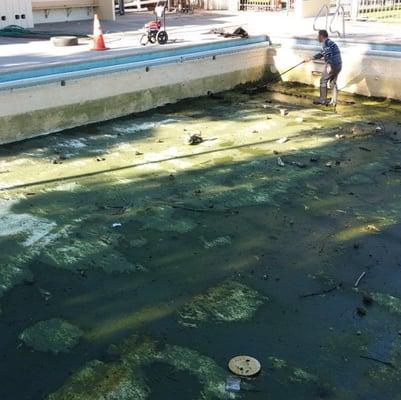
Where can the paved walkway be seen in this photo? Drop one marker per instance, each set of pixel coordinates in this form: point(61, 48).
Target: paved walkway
point(122, 35)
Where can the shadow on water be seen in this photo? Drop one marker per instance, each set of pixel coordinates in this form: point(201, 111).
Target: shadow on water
point(285, 232)
point(167, 383)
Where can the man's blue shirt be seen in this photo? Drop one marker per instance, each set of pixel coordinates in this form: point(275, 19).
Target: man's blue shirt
point(330, 52)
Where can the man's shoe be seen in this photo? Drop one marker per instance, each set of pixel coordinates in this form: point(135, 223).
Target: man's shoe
point(320, 102)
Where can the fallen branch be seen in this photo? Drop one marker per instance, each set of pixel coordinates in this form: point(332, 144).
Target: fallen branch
point(359, 279)
point(386, 363)
point(201, 210)
point(338, 286)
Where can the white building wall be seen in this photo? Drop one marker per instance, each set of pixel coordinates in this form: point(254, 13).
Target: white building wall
point(216, 4)
point(61, 15)
point(16, 12)
point(46, 11)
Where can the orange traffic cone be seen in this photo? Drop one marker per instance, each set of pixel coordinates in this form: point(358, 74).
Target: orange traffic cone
point(98, 41)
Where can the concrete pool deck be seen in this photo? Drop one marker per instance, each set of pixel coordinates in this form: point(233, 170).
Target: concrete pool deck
point(123, 35)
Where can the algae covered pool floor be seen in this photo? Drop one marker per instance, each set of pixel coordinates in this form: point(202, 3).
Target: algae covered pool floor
point(134, 266)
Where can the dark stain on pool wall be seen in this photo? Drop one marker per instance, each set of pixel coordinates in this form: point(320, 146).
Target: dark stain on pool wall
point(134, 266)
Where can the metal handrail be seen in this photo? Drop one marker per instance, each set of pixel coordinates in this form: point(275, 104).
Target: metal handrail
point(319, 14)
point(337, 13)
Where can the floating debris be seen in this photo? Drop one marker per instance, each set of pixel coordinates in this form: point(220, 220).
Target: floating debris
point(299, 164)
point(358, 280)
point(295, 374)
point(218, 242)
point(140, 242)
point(299, 120)
point(282, 140)
point(283, 112)
point(277, 363)
point(338, 136)
point(54, 335)
point(94, 251)
point(161, 218)
point(373, 228)
point(244, 366)
point(46, 295)
point(363, 129)
point(280, 162)
point(233, 384)
point(392, 303)
point(300, 375)
point(367, 300)
point(228, 302)
point(194, 138)
point(386, 372)
point(361, 312)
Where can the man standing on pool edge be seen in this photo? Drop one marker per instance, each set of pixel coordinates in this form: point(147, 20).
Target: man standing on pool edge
point(332, 67)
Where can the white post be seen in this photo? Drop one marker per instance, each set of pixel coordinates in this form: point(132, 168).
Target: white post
point(309, 8)
point(106, 9)
point(354, 9)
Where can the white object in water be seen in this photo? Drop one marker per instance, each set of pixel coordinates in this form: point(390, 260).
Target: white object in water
point(233, 384)
point(282, 140)
point(280, 162)
point(244, 366)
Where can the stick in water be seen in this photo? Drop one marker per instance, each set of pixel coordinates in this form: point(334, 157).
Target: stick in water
point(359, 279)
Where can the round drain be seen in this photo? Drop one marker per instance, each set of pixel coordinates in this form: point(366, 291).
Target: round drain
point(244, 366)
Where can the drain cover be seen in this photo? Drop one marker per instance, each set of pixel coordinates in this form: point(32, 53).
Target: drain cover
point(244, 366)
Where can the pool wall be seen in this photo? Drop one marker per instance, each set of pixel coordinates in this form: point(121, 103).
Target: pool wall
point(368, 69)
point(42, 104)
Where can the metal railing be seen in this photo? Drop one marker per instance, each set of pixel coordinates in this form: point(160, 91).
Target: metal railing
point(265, 5)
point(377, 9)
point(339, 14)
point(324, 12)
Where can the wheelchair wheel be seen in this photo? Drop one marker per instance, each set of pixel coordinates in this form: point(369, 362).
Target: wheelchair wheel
point(152, 38)
point(144, 40)
point(162, 37)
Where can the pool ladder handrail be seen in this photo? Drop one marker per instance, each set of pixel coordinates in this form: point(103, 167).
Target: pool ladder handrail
point(325, 11)
point(339, 8)
point(319, 14)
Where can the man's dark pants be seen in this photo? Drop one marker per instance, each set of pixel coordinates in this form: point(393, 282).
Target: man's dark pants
point(330, 74)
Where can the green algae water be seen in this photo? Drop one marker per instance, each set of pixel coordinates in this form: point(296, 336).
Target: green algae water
point(133, 266)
